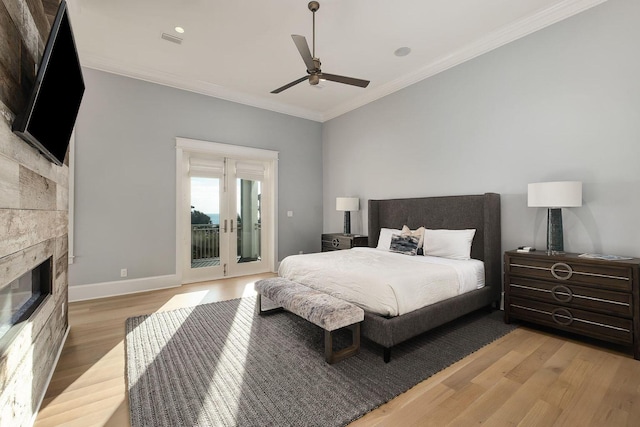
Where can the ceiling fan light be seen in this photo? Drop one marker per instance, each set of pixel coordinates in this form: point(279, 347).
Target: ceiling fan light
point(314, 79)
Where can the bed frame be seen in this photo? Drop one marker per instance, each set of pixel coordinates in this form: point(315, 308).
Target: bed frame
point(481, 212)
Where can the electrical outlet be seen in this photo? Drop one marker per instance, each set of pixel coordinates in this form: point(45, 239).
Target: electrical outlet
point(123, 272)
point(290, 214)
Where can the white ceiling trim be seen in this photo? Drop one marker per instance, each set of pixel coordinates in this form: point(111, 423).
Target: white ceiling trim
point(100, 63)
point(491, 41)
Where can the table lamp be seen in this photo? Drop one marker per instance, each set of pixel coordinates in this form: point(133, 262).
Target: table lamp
point(347, 204)
point(554, 196)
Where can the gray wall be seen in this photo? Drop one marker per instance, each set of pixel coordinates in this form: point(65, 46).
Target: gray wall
point(125, 173)
point(560, 104)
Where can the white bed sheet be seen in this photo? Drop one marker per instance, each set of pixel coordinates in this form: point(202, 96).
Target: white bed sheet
point(384, 282)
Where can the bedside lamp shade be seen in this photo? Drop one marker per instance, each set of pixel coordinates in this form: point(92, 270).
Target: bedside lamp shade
point(554, 196)
point(347, 204)
point(564, 194)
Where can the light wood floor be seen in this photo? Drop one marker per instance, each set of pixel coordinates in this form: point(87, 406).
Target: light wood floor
point(528, 377)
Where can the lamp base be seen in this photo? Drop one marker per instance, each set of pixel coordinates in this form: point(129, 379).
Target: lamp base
point(347, 222)
point(555, 243)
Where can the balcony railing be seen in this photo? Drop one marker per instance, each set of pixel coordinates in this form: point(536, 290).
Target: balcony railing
point(205, 241)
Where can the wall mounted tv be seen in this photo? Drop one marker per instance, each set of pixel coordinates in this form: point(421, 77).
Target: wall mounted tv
point(48, 120)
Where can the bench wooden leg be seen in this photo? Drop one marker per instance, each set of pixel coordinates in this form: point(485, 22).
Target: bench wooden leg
point(332, 357)
point(259, 309)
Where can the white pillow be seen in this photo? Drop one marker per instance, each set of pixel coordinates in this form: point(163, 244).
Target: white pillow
point(453, 244)
point(384, 241)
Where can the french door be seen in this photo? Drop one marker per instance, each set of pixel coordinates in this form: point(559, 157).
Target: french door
point(227, 216)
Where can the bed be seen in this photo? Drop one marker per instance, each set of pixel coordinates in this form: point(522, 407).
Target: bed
point(406, 320)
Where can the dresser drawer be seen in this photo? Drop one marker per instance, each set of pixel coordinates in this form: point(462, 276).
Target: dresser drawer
point(336, 242)
point(566, 294)
point(609, 328)
point(609, 276)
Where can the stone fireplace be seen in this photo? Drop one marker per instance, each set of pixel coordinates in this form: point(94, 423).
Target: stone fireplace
point(34, 196)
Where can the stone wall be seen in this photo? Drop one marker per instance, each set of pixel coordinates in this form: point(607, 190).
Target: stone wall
point(34, 195)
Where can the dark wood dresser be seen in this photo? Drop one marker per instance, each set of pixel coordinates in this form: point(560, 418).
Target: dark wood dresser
point(591, 297)
point(338, 241)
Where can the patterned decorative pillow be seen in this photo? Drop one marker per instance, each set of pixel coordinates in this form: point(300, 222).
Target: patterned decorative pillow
point(407, 245)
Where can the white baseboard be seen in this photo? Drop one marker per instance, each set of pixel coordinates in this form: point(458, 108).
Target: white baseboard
point(122, 287)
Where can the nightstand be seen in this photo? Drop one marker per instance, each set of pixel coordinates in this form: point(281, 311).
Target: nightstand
point(338, 241)
point(590, 297)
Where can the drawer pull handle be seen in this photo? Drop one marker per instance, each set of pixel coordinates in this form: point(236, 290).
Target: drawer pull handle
point(564, 266)
point(562, 316)
point(335, 242)
point(561, 293)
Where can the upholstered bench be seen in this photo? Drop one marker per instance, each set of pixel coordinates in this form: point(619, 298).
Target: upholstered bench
point(323, 310)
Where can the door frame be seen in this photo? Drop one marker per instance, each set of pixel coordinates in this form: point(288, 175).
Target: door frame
point(185, 146)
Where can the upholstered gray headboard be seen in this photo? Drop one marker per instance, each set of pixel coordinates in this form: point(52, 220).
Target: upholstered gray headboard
point(481, 212)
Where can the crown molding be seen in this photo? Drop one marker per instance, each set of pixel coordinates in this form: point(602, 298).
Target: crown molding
point(491, 41)
point(100, 63)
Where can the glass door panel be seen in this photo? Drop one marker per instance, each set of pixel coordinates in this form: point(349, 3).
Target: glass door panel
point(205, 222)
point(249, 230)
point(205, 236)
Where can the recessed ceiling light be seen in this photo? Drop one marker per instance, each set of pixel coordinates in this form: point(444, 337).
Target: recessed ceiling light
point(402, 51)
point(179, 30)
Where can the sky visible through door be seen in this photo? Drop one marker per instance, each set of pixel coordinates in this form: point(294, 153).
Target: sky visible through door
point(203, 192)
point(204, 197)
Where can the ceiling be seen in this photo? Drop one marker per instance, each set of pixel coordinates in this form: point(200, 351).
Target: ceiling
point(241, 50)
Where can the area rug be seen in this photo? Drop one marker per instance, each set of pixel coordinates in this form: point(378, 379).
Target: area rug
point(221, 364)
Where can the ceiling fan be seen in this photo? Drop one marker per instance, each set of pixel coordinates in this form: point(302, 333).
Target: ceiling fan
point(313, 63)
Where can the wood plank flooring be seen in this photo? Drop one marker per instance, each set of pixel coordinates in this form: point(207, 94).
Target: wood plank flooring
point(529, 377)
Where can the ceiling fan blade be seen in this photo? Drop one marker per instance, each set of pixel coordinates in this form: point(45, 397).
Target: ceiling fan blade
point(345, 80)
point(303, 48)
point(288, 85)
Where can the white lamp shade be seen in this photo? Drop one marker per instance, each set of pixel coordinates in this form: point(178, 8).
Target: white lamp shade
point(347, 203)
point(562, 194)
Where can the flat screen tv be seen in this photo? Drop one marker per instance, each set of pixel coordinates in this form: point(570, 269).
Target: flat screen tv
point(50, 115)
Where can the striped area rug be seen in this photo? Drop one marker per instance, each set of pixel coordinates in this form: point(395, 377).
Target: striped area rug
point(221, 364)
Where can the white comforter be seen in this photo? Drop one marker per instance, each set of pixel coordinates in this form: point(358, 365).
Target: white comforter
point(384, 282)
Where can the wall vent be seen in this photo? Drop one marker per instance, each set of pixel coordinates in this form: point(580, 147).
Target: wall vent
point(171, 38)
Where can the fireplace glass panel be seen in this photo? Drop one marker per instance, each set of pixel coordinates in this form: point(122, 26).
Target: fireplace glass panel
point(19, 298)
